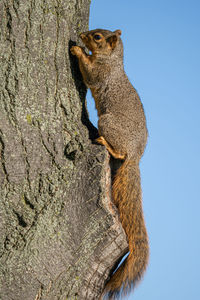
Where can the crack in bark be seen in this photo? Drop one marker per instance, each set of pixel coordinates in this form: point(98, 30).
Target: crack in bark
point(21, 242)
point(51, 154)
point(44, 8)
point(11, 79)
point(16, 7)
point(28, 166)
point(20, 218)
point(56, 52)
point(3, 163)
point(26, 200)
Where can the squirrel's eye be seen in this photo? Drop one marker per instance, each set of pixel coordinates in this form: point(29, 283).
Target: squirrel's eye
point(97, 37)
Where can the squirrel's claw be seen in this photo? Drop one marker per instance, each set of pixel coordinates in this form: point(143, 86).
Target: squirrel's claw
point(76, 50)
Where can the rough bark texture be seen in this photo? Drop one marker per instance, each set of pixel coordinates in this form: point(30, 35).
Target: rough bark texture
point(59, 232)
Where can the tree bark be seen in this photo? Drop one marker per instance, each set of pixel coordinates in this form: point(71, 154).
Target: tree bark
point(59, 232)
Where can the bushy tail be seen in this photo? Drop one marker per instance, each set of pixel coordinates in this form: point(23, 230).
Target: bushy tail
point(128, 199)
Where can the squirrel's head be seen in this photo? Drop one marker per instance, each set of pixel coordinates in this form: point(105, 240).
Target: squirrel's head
point(100, 41)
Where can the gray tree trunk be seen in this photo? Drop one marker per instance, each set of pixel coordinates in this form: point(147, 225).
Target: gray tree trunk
point(59, 232)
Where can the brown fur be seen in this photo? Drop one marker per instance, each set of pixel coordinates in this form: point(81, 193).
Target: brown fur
point(122, 129)
point(127, 198)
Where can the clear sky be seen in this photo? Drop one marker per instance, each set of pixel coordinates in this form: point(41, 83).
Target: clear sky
point(162, 60)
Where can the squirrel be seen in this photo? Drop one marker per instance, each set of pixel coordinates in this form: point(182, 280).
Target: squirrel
point(122, 130)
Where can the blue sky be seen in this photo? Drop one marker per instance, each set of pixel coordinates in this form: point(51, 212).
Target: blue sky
point(162, 60)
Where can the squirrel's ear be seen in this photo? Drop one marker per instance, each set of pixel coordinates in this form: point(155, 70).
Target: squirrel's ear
point(112, 40)
point(118, 32)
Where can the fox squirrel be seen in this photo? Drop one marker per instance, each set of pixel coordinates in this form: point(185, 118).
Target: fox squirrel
point(122, 130)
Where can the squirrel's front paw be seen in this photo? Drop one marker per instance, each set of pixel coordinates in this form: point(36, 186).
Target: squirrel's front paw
point(75, 50)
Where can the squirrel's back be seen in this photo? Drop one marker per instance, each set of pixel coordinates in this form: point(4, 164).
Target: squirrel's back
point(114, 94)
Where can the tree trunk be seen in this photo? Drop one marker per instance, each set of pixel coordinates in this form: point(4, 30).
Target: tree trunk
point(59, 232)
